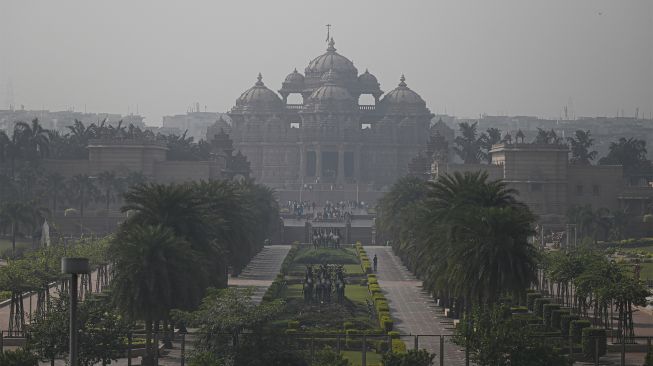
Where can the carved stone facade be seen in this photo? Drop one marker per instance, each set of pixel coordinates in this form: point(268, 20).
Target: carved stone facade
point(330, 137)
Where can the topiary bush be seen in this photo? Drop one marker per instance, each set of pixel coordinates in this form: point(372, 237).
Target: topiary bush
point(413, 358)
point(556, 317)
point(546, 313)
point(387, 323)
point(576, 329)
point(530, 299)
point(565, 323)
point(589, 337)
point(538, 308)
point(398, 346)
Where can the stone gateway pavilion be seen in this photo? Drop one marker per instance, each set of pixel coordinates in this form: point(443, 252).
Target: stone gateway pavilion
point(330, 141)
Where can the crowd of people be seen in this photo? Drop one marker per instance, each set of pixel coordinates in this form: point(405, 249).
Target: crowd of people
point(326, 238)
point(327, 211)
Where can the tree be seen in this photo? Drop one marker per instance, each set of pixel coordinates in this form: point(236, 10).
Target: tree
point(54, 183)
point(494, 339)
point(631, 154)
point(581, 143)
point(488, 139)
point(154, 272)
point(468, 144)
point(545, 137)
point(82, 190)
point(16, 214)
point(227, 313)
point(482, 226)
point(109, 184)
point(101, 331)
point(34, 140)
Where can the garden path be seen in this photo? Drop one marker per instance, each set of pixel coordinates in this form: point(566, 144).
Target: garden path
point(261, 270)
point(414, 311)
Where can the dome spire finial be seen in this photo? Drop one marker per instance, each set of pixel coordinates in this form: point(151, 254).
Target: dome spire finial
point(259, 79)
point(332, 44)
point(402, 81)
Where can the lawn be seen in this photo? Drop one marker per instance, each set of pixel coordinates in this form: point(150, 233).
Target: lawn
point(356, 358)
point(308, 255)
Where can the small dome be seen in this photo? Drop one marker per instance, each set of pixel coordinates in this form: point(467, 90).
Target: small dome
point(403, 99)
point(331, 90)
point(368, 80)
point(259, 97)
point(295, 78)
point(332, 94)
point(331, 60)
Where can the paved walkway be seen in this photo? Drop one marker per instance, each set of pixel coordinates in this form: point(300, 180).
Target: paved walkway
point(414, 311)
point(261, 270)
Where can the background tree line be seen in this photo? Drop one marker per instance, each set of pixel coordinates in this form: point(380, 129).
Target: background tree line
point(473, 148)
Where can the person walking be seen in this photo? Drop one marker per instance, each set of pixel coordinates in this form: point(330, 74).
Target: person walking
point(376, 261)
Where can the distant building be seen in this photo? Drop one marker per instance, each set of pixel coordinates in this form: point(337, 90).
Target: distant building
point(60, 119)
point(330, 138)
point(194, 123)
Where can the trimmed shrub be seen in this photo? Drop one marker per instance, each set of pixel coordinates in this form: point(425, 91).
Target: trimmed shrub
point(293, 324)
point(546, 313)
point(538, 308)
point(576, 329)
point(530, 300)
point(565, 323)
point(393, 334)
point(519, 309)
point(353, 338)
point(387, 323)
point(556, 316)
point(398, 346)
point(348, 325)
point(589, 337)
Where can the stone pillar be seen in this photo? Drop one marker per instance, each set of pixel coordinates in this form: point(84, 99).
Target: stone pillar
point(302, 163)
point(318, 163)
point(340, 179)
point(357, 165)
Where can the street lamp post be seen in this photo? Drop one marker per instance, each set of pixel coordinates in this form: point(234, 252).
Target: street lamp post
point(74, 267)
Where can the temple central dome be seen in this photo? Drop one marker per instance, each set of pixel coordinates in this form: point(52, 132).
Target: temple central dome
point(331, 60)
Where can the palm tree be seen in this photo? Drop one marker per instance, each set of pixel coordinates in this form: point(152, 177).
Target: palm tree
point(581, 143)
point(465, 214)
point(154, 272)
point(34, 139)
point(110, 184)
point(468, 145)
point(82, 190)
point(54, 183)
point(16, 214)
point(631, 154)
point(491, 137)
point(181, 209)
point(545, 137)
point(396, 210)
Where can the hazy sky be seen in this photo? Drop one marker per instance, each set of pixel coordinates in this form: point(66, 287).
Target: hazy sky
point(468, 57)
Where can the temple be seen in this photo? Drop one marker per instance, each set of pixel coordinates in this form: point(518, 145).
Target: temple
point(330, 141)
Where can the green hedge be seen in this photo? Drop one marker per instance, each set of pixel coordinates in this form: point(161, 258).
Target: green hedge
point(576, 329)
point(565, 323)
point(539, 306)
point(589, 336)
point(398, 346)
point(293, 324)
point(546, 313)
point(530, 299)
point(556, 316)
